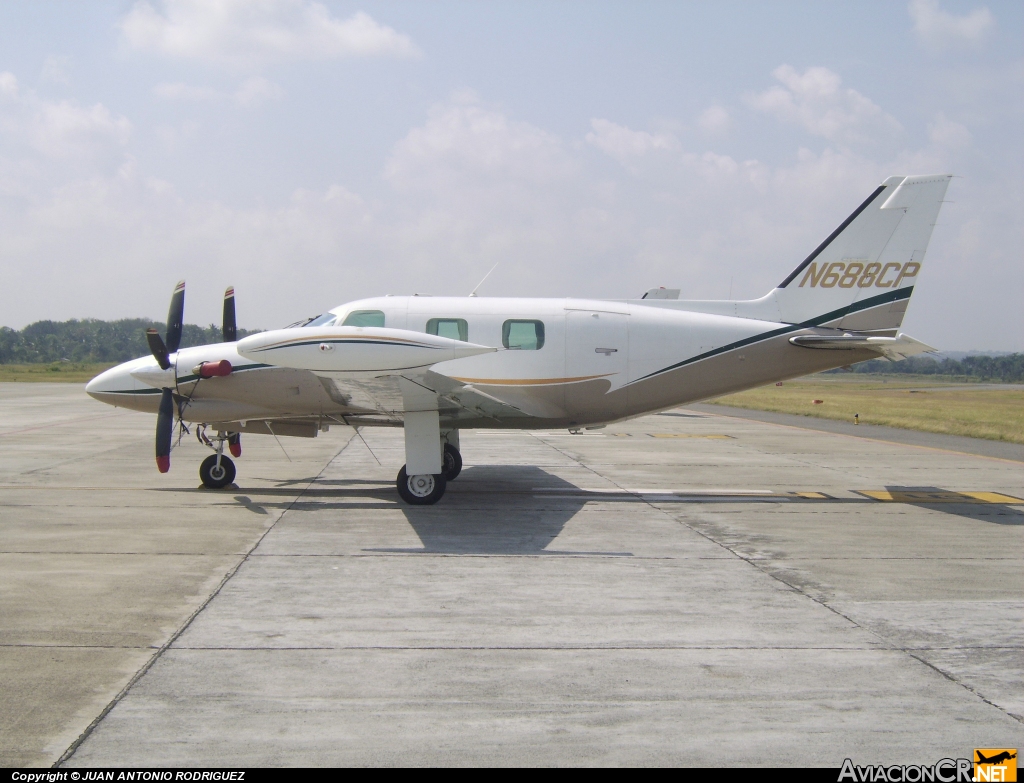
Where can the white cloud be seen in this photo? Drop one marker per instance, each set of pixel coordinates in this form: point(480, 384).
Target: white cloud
point(257, 91)
point(252, 31)
point(623, 143)
point(8, 84)
point(948, 134)
point(58, 129)
point(466, 141)
point(940, 28)
point(816, 100)
point(466, 187)
point(178, 91)
point(55, 70)
point(714, 120)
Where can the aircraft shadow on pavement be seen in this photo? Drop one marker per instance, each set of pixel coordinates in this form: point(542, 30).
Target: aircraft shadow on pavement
point(488, 510)
point(969, 508)
point(493, 510)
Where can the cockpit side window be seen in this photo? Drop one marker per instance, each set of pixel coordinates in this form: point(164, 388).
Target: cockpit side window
point(452, 328)
point(364, 318)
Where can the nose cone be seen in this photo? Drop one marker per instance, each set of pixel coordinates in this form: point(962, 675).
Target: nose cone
point(117, 387)
point(113, 381)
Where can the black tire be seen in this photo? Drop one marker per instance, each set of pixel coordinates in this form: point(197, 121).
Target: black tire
point(214, 477)
point(423, 490)
point(452, 465)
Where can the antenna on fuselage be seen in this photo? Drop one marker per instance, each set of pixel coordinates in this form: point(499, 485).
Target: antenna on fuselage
point(473, 292)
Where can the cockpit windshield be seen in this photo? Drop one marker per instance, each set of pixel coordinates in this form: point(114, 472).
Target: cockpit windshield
point(320, 320)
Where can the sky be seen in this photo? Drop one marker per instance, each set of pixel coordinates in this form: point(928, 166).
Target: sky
point(312, 153)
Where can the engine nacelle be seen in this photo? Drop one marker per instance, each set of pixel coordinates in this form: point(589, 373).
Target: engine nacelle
point(354, 349)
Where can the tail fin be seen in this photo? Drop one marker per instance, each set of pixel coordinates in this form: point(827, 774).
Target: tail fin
point(862, 276)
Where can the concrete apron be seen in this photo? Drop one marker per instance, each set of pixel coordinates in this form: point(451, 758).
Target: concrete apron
point(652, 593)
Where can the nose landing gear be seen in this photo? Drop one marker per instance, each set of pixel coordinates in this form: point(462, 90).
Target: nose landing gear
point(217, 470)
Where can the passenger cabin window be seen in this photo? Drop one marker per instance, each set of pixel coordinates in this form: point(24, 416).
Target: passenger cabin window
point(452, 328)
point(523, 335)
point(364, 318)
point(321, 320)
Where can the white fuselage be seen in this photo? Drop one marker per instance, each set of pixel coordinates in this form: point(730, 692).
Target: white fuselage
point(600, 361)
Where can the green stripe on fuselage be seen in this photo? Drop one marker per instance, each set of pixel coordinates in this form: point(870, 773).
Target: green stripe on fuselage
point(867, 304)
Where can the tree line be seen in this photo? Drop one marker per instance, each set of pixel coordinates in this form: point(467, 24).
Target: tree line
point(91, 340)
point(1007, 369)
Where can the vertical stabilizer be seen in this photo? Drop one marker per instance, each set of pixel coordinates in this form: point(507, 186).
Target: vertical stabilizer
point(861, 277)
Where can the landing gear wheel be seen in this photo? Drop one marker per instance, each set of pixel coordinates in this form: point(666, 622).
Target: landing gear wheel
point(422, 490)
point(452, 465)
point(217, 476)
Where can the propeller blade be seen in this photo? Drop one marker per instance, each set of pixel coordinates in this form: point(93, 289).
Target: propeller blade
point(175, 317)
point(158, 349)
point(164, 431)
point(230, 330)
point(235, 444)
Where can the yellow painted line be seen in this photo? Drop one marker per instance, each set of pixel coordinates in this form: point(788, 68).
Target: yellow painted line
point(938, 496)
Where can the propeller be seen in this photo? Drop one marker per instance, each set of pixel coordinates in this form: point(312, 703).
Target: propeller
point(230, 331)
point(161, 350)
point(228, 328)
point(164, 431)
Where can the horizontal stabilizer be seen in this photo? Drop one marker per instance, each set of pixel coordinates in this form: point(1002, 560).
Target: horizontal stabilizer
point(895, 348)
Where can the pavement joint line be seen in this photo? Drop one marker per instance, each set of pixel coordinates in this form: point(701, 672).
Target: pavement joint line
point(118, 554)
point(530, 648)
point(597, 555)
point(873, 440)
point(821, 602)
point(909, 651)
point(64, 423)
point(862, 648)
point(79, 458)
point(70, 752)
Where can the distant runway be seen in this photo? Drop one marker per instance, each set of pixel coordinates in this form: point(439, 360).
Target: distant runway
point(681, 589)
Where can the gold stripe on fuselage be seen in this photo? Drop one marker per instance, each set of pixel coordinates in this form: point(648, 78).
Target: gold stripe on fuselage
point(343, 338)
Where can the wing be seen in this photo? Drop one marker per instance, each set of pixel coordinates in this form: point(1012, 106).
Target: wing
point(387, 397)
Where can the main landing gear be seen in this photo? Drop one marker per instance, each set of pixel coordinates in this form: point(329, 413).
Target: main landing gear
point(217, 470)
point(427, 489)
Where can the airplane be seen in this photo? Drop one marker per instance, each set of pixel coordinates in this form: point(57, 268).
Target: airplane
point(438, 365)
point(996, 759)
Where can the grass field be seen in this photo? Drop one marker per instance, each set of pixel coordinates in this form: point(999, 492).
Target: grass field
point(58, 372)
point(909, 403)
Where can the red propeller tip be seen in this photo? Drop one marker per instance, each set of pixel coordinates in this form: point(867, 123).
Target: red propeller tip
point(163, 464)
point(236, 449)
